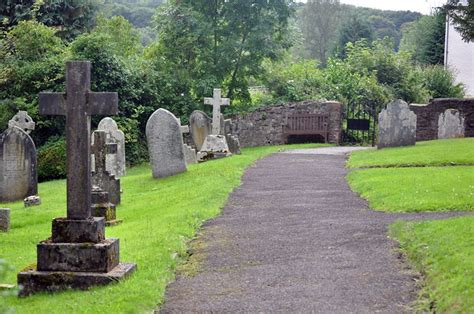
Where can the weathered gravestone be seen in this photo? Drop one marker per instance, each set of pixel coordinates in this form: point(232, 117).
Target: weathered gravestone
point(77, 255)
point(397, 125)
point(18, 167)
point(215, 145)
point(189, 152)
point(100, 176)
point(23, 121)
point(4, 219)
point(115, 163)
point(165, 144)
point(200, 127)
point(232, 140)
point(450, 124)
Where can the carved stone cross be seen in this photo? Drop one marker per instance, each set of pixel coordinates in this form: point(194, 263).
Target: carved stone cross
point(216, 102)
point(100, 148)
point(23, 121)
point(78, 104)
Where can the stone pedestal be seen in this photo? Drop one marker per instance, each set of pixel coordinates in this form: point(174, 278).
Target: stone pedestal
point(215, 146)
point(101, 207)
point(77, 256)
point(4, 219)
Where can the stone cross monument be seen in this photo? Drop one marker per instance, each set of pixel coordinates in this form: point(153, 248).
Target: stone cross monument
point(78, 255)
point(216, 102)
point(215, 145)
point(23, 121)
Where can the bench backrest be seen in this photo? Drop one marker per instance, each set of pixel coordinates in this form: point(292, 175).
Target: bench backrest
point(307, 122)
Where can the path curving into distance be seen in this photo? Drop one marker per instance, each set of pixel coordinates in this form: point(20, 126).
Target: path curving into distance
point(294, 238)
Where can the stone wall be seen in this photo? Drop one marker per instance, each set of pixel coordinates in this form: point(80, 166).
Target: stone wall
point(428, 115)
point(265, 125)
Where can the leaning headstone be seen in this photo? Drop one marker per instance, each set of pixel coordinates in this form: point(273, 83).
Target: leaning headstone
point(165, 144)
point(200, 127)
point(4, 219)
point(18, 167)
point(215, 145)
point(115, 163)
point(397, 125)
point(232, 140)
point(450, 124)
point(23, 121)
point(77, 255)
point(100, 176)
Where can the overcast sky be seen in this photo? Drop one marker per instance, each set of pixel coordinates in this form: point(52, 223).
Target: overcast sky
point(422, 6)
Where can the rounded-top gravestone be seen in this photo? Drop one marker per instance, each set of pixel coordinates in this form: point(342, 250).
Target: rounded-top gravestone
point(18, 168)
point(115, 163)
point(200, 127)
point(397, 125)
point(165, 144)
point(450, 124)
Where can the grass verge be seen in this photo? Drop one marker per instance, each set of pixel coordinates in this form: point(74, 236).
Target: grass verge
point(443, 252)
point(416, 189)
point(160, 216)
point(430, 153)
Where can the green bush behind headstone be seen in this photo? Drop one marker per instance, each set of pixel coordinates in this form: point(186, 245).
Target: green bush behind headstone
point(52, 159)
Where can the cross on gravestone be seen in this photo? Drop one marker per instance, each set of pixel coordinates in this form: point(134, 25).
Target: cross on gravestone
point(78, 104)
point(216, 102)
point(23, 121)
point(100, 148)
point(184, 129)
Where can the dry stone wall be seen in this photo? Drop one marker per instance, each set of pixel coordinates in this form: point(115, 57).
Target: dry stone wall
point(428, 116)
point(265, 125)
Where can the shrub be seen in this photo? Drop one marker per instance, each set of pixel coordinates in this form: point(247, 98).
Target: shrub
point(440, 83)
point(52, 159)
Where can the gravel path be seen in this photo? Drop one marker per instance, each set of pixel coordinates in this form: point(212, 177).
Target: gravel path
point(295, 238)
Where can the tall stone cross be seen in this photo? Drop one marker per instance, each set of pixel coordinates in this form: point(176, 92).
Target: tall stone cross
point(216, 102)
point(101, 149)
point(78, 104)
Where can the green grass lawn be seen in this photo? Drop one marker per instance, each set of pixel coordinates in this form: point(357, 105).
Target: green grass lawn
point(430, 153)
point(443, 251)
point(160, 216)
point(416, 189)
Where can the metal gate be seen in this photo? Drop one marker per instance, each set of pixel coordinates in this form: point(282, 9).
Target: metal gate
point(360, 124)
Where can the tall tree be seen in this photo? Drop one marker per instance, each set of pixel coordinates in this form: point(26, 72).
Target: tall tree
point(222, 42)
point(319, 23)
point(462, 13)
point(353, 30)
point(69, 17)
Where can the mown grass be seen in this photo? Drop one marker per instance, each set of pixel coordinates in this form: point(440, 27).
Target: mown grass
point(160, 216)
point(416, 189)
point(443, 252)
point(430, 153)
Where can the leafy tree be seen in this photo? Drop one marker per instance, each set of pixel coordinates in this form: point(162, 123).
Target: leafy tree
point(352, 31)
point(462, 14)
point(214, 43)
point(319, 22)
point(424, 39)
point(68, 17)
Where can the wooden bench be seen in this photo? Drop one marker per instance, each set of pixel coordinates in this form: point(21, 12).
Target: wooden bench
point(306, 124)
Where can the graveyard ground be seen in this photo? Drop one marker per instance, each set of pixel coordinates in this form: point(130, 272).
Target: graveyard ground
point(432, 180)
point(160, 216)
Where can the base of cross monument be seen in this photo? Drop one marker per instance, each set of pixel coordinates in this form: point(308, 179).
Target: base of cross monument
point(33, 281)
point(214, 146)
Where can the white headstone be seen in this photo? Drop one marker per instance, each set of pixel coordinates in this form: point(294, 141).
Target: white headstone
point(165, 144)
point(450, 124)
point(397, 125)
point(115, 163)
point(200, 127)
